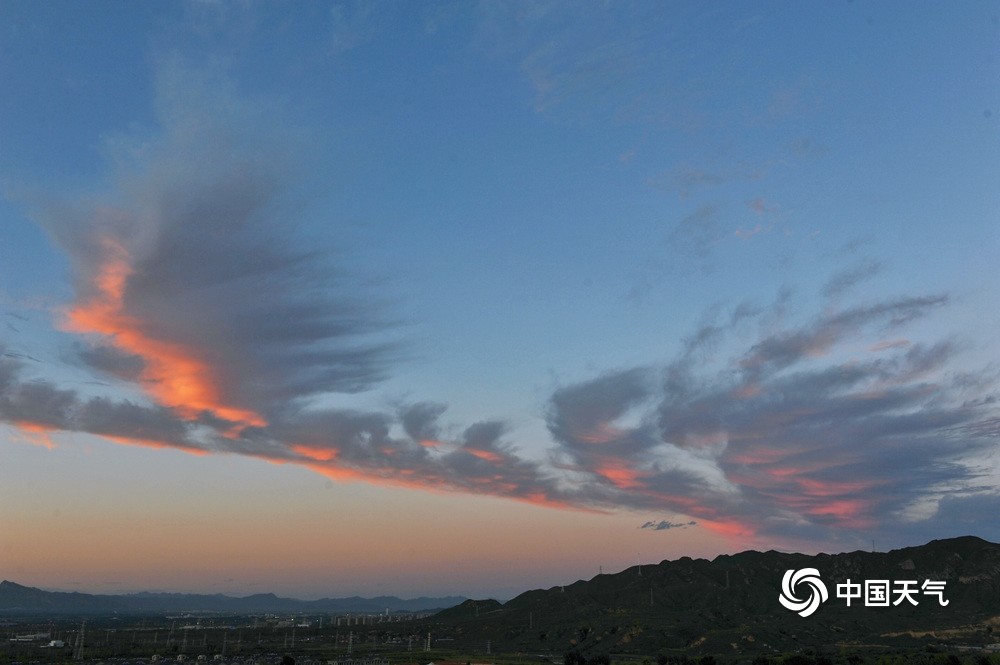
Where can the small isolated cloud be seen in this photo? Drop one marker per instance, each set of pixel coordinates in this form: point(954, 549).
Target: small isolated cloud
point(354, 23)
point(569, 65)
point(757, 229)
point(762, 206)
point(698, 232)
point(664, 525)
point(804, 148)
point(687, 180)
point(846, 279)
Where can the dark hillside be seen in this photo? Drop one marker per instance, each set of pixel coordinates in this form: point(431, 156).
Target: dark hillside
point(731, 604)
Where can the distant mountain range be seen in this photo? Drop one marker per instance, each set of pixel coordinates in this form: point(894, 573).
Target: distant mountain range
point(731, 605)
point(18, 599)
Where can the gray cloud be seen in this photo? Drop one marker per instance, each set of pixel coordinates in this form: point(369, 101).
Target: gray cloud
point(664, 525)
point(846, 279)
point(778, 441)
point(420, 420)
point(789, 437)
point(686, 181)
point(698, 232)
point(189, 276)
point(585, 412)
point(780, 350)
point(39, 403)
point(211, 267)
point(108, 359)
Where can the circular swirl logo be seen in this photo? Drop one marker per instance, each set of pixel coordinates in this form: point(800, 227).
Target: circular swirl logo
point(805, 577)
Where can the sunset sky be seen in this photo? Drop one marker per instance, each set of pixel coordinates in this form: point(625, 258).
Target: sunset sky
point(427, 298)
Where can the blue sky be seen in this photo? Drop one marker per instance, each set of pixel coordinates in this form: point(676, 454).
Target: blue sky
point(587, 268)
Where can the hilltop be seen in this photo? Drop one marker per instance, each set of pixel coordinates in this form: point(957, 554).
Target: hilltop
point(731, 604)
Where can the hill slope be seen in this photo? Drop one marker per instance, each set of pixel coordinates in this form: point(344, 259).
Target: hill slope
point(731, 603)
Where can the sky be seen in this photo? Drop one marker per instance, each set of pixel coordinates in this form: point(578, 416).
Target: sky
point(336, 298)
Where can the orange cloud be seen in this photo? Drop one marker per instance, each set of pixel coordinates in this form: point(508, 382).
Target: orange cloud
point(831, 488)
point(847, 512)
point(484, 455)
point(314, 453)
point(35, 434)
point(152, 443)
point(173, 375)
point(602, 433)
point(621, 476)
point(728, 528)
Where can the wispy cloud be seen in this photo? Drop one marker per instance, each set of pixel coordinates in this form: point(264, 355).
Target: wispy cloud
point(355, 23)
point(190, 277)
point(664, 525)
point(698, 232)
point(791, 437)
point(192, 287)
point(589, 58)
point(848, 278)
point(688, 180)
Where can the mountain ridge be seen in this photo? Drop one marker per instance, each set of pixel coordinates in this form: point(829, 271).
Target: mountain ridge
point(731, 603)
point(18, 598)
